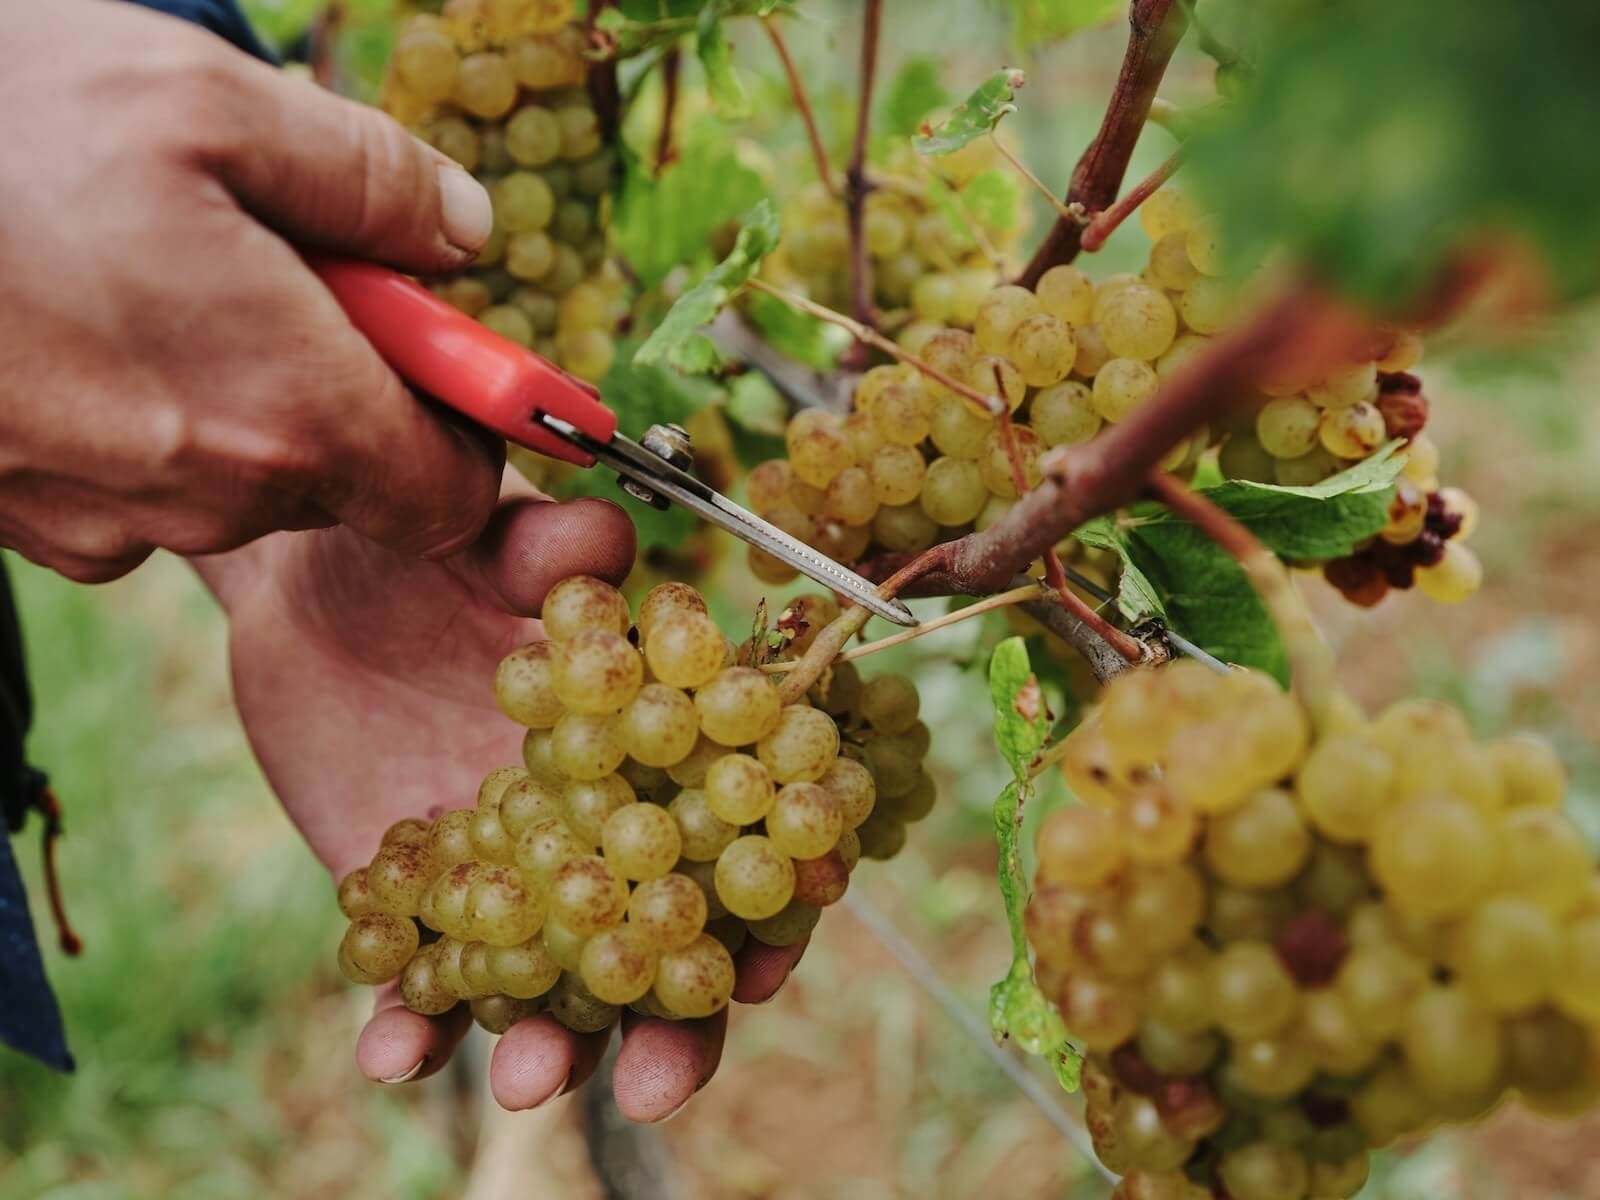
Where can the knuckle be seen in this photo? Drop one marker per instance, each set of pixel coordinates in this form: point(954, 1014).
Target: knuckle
point(200, 96)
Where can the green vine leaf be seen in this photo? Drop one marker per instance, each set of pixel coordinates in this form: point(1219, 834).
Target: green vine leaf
point(677, 339)
point(716, 57)
point(1017, 1007)
point(1036, 21)
point(915, 91)
point(974, 117)
point(1174, 572)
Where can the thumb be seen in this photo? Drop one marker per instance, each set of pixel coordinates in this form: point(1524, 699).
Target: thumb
point(330, 173)
point(530, 545)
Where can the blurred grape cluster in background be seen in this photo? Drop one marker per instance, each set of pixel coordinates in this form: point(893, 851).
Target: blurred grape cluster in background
point(214, 1037)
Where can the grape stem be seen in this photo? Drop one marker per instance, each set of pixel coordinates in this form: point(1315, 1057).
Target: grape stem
point(1031, 590)
point(865, 333)
point(1311, 666)
point(857, 186)
point(1104, 223)
point(671, 67)
point(1067, 212)
point(1155, 27)
point(802, 104)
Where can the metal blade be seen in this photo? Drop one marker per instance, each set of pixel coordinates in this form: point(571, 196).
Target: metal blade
point(633, 461)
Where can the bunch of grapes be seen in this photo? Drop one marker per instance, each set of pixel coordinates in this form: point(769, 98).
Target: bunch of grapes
point(670, 805)
point(921, 259)
point(499, 86)
point(1281, 947)
point(915, 463)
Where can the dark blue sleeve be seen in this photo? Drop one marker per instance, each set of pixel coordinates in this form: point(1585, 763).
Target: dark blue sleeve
point(221, 17)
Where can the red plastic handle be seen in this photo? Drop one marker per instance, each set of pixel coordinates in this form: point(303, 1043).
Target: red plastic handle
point(443, 352)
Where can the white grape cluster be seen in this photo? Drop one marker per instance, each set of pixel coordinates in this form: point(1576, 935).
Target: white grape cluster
point(669, 806)
point(915, 463)
point(499, 86)
point(1280, 947)
point(922, 258)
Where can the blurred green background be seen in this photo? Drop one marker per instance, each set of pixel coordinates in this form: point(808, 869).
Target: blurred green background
point(214, 1036)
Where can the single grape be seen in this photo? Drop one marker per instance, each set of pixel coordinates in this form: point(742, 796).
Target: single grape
point(641, 841)
point(753, 878)
point(1208, 306)
point(739, 789)
point(1163, 906)
point(999, 314)
point(587, 747)
point(1545, 858)
point(659, 727)
point(1252, 993)
point(954, 492)
point(533, 136)
point(587, 895)
point(1165, 211)
point(702, 833)
point(524, 686)
point(697, 980)
point(575, 1007)
point(818, 448)
point(792, 924)
point(587, 804)
point(1043, 349)
point(1121, 387)
point(597, 671)
point(805, 821)
point(1170, 265)
point(1102, 1013)
point(801, 747)
point(956, 430)
point(684, 649)
point(617, 966)
point(668, 912)
point(397, 877)
point(583, 602)
point(426, 63)
point(543, 64)
point(376, 946)
point(1137, 322)
point(1452, 1045)
point(1529, 770)
point(1064, 415)
point(895, 475)
point(904, 528)
point(421, 989)
point(691, 771)
point(1508, 954)
point(1262, 843)
point(738, 707)
point(544, 847)
point(852, 788)
point(881, 837)
point(523, 971)
point(488, 836)
point(1354, 431)
point(1287, 427)
point(501, 909)
point(996, 462)
point(995, 377)
point(525, 803)
point(900, 414)
point(821, 881)
point(1452, 579)
point(1434, 856)
point(355, 898)
point(1079, 846)
point(1264, 1171)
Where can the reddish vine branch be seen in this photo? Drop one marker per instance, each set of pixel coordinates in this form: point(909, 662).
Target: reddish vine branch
point(1104, 223)
point(1155, 26)
point(802, 103)
point(671, 68)
point(857, 185)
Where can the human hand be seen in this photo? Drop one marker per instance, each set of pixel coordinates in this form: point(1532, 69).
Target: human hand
point(365, 682)
point(171, 373)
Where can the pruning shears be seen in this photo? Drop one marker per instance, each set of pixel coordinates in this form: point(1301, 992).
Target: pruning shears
point(446, 355)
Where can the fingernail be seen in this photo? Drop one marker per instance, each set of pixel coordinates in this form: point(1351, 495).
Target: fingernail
point(675, 1111)
point(408, 1076)
point(558, 1093)
point(464, 208)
